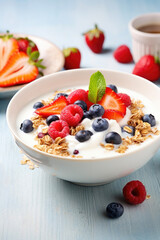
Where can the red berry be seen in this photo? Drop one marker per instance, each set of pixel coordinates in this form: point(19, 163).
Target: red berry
point(111, 100)
point(122, 54)
point(72, 114)
point(53, 108)
point(72, 58)
point(58, 128)
point(134, 192)
point(113, 114)
point(78, 94)
point(24, 43)
point(147, 68)
point(41, 135)
point(125, 98)
point(95, 39)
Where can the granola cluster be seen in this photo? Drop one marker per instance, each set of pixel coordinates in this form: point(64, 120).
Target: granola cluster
point(57, 147)
point(143, 130)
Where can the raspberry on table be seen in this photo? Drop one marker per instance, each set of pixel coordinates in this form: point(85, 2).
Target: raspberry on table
point(134, 192)
point(72, 114)
point(78, 94)
point(125, 99)
point(58, 128)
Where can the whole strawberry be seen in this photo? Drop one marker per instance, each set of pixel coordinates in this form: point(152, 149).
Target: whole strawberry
point(148, 68)
point(122, 54)
point(95, 39)
point(24, 43)
point(72, 58)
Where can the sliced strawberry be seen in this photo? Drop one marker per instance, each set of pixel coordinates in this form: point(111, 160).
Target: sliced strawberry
point(111, 100)
point(18, 70)
point(8, 46)
point(53, 108)
point(113, 114)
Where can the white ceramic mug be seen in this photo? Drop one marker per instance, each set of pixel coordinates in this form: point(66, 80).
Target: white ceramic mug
point(145, 43)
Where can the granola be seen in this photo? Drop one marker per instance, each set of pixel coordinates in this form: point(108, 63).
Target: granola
point(143, 131)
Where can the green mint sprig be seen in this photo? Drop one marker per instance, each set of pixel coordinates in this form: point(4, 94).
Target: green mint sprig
point(97, 87)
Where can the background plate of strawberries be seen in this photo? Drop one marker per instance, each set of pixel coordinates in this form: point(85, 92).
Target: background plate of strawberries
point(24, 58)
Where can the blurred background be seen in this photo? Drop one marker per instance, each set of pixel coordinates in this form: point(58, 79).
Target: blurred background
point(64, 22)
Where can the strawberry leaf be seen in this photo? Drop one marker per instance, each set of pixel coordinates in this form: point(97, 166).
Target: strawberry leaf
point(29, 50)
point(7, 36)
point(34, 55)
point(67, 51)
point(97, 87)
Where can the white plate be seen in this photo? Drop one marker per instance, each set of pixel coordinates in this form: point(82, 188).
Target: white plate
point(53, 60)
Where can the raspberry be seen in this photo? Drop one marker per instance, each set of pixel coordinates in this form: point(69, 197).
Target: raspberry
point(125, 99)
point(72, 114)
point(122, 54)
point(134, 192)
point(78, 94)
point(58, 128)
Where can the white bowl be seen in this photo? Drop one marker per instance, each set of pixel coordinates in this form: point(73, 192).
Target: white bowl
point(85, 171)
point(144, 43)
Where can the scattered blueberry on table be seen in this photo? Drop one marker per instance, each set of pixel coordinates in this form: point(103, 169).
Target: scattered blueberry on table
point(114, 210)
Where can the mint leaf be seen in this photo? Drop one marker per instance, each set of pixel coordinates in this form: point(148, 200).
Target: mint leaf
point(97, 87)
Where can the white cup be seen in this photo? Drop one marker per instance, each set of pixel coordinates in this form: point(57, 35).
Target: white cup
point(144, 43)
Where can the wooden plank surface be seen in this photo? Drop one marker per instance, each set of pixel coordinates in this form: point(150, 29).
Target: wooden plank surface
point(36, 206)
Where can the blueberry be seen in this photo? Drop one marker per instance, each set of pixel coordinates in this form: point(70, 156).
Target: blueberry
point(51, 118)
point(113, 137)
point(113, 87)
point(82, 104)
point(86, 114)
point(150, 119)
point(83, 135)
point(100, 124)
point(90, 132)
point(128, 129)
point(114, 210)
point(27, 126)
point(60, 94)
point(38, 105)
point(96, 110)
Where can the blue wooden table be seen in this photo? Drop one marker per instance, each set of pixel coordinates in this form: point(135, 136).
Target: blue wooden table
point(36, 206)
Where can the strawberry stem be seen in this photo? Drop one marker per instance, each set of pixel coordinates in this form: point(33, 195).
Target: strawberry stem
point(157, 60)
point(96, 26)
point(7, 36)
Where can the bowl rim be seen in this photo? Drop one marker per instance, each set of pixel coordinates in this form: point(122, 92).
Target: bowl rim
point(14, 133)
point(140, 33)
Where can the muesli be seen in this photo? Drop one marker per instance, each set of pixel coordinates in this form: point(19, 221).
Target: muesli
point(83, 123)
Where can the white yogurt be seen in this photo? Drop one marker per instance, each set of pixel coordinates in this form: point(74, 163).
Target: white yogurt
point(90, 148)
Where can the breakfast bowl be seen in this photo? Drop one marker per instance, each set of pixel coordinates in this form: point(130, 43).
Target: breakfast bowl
point(100, 168)
point(145, 32)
